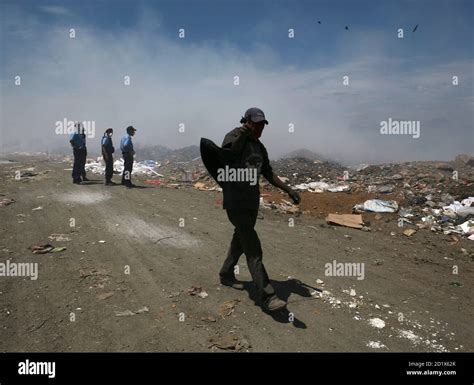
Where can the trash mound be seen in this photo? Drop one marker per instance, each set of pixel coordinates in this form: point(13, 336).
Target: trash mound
point(301, 170)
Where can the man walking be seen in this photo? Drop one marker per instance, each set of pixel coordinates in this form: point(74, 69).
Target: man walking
point(107, 154)
point(78, 144)
point(241, 201)
point(126, 146)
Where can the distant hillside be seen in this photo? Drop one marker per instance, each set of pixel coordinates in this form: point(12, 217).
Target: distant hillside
point(304, 153)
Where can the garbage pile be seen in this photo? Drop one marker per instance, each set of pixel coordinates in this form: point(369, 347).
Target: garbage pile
point(302, 170)
point(454, 218)
point(438, 196)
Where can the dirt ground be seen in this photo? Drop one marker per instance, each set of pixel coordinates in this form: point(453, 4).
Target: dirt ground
point(145, 247)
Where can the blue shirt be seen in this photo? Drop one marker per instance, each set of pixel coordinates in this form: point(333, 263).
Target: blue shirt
point(107, 145)
point(78, 141)
point(126, 144)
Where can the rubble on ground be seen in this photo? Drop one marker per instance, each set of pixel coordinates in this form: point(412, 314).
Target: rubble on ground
point(430, 195)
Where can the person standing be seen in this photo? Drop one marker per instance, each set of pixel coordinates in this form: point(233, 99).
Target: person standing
point(241, 202)
point(83, 155)
point(126, 146)
point(78, 148)
point(107, 154)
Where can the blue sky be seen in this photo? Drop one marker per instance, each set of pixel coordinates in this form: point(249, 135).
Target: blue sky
point(294, 80)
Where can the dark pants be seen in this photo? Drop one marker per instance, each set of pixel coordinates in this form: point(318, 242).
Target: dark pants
point(245, 240)
point(127, 166)
point(109, 167)
point(83, 163)
point(80, 156)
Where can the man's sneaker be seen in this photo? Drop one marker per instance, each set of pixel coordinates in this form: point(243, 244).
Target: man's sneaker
point(274, 303)
point(130, 185)
point(76, 182)
point(84, 179)
point(232, 282)
point(110, 183)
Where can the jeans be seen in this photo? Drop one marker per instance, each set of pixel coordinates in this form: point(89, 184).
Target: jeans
point(245, 240)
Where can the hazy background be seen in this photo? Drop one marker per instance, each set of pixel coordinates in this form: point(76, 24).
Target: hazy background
point(190, 80)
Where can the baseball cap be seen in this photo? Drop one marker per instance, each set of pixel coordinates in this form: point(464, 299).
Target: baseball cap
point(255, 115)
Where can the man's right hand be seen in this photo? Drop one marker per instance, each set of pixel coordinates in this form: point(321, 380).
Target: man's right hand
point(294, 196)
point(245, 130)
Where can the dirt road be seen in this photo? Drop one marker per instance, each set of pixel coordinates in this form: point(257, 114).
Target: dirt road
point(145, 247)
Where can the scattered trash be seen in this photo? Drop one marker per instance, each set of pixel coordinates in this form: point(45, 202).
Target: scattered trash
point(41, 249)
point(37, 208)
point(377, 206)
point(409, 232)
point(208, 319)
point(405, 213)
point(58, 249)
point(104, 296)
point(228, 307)
point(128, 313)
point(146, 168)
point(228, 342)
point(197, 290)
point(45, 248)
point(347, 220)
point(375, 345)
point(204, 186)
point(284, 207)
point(6, 202)
point(156, 182)
point(319, 187)
point(377, 323)
point(462, 209)
point(468, 228)
point(101, 241)
point(59, 238)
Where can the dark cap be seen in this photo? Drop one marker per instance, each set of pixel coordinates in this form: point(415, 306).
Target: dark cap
point(131, 128)
point(255, 115)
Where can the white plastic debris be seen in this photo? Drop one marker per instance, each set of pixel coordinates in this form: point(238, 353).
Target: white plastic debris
point(377, 206)
point(468, 228)
point(145, 167)
point(319, 187)
point(462, 209)
point(377, 323)
point(375, 345)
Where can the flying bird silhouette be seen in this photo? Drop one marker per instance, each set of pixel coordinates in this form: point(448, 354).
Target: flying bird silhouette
point(319, 22)
point(416, 27)
point(346, 28)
